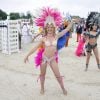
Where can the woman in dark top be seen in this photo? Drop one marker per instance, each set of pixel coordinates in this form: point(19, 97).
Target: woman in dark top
point(79, 31)
point(92, 36)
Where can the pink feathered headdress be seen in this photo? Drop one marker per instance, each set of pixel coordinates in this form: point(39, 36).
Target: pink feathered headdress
point(49, 15)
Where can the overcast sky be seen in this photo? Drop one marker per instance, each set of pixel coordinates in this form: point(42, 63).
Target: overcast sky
point(74, 7)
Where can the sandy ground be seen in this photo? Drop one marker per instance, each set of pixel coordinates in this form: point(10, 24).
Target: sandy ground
point(18, 81)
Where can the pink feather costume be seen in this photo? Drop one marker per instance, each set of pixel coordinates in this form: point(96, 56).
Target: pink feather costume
point(38, 57)
point(48, 15)
point(80, 48)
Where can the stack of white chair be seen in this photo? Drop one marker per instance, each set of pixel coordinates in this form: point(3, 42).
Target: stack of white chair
point(10, 42)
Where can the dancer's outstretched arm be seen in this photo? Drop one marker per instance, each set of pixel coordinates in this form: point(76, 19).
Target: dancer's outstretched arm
point(33, 50)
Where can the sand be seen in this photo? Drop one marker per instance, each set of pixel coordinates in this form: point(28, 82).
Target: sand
point(18, 81)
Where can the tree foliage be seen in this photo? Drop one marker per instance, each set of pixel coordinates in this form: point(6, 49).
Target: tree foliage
point(14, 16)
point(3, 15)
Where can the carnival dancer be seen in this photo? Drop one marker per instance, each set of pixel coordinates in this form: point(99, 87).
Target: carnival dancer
point(49, 19)
point(92, 24)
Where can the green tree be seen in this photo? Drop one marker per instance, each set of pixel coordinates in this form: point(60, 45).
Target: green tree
point(29, 15)
point(14, 16)
point(3, 15)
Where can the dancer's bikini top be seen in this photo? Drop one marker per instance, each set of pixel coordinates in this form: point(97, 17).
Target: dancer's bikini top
point(93, 36)
point(52, 43)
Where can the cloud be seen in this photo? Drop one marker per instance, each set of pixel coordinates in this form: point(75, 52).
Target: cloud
point(77, 7)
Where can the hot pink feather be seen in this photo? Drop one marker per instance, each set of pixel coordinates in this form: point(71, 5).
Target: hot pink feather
point(79, 49)
point(45, 12)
